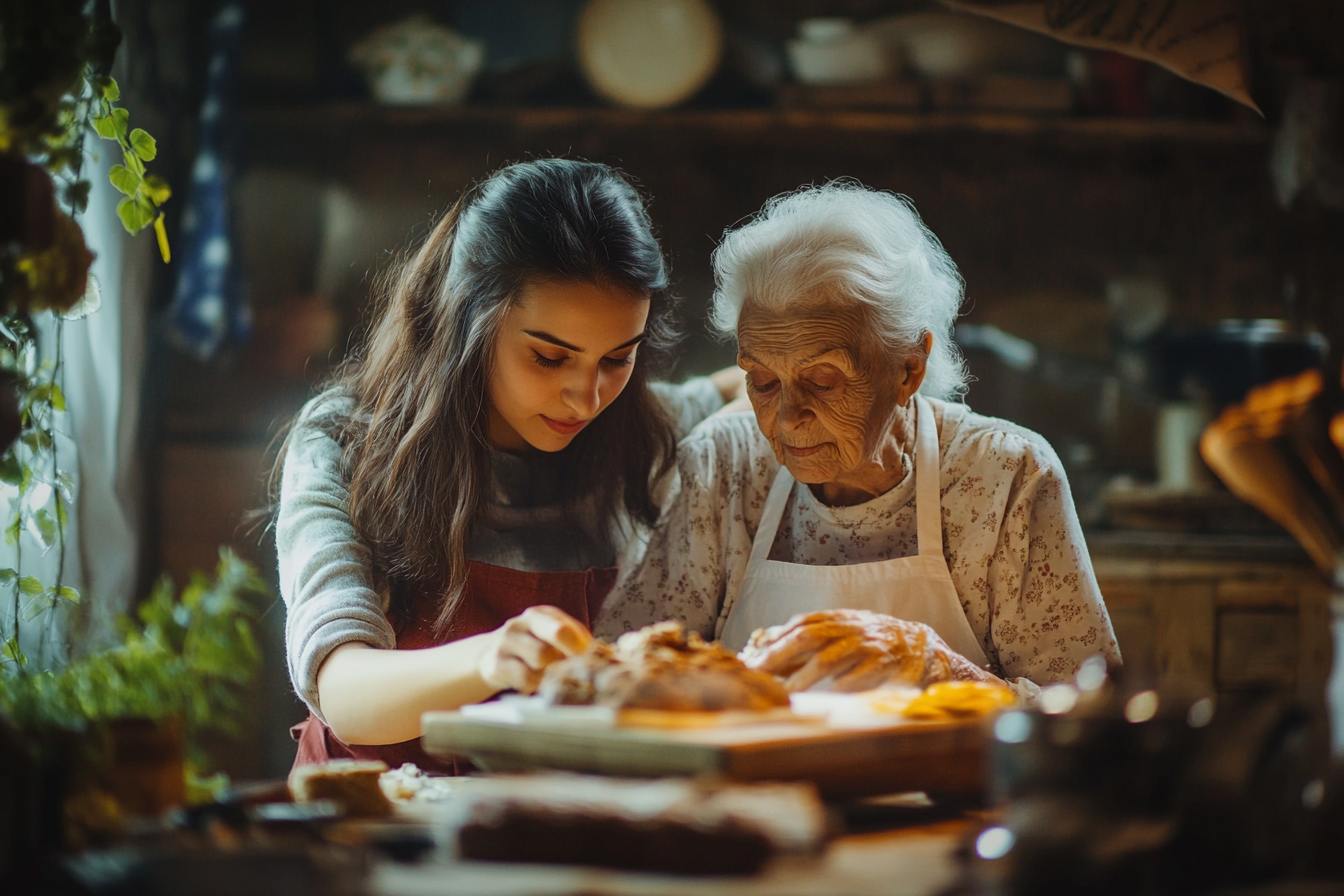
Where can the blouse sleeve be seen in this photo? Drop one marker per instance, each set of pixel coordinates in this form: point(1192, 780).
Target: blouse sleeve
point(700, 547)
point(1047, 613)
point(688, 403)
point(326, 576)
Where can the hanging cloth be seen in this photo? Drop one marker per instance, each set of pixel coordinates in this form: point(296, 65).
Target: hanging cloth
point(209, 308)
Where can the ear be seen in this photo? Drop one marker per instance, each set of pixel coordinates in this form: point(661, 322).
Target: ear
point(914, 367)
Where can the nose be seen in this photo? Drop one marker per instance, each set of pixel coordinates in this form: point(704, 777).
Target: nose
point(793, 410)
point(580, 393)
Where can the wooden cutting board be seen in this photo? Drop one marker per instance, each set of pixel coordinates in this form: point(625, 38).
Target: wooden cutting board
point(936, 757)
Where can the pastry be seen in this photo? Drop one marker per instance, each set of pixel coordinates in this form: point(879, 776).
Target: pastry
point(661, 667)
point(671, 825)
point(856, 650)
point(351, 784)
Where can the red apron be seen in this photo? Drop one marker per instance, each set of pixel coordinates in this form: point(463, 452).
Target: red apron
point(493, 595)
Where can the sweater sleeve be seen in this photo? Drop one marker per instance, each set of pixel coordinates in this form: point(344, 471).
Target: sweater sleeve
point(688, 403)
point(1047, 611)
point(326, 570)
point(698, 552)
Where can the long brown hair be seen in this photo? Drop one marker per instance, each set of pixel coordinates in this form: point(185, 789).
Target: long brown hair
point(415, 451)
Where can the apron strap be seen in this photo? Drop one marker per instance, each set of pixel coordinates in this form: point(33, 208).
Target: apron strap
point(928, 500)
point(771, 516)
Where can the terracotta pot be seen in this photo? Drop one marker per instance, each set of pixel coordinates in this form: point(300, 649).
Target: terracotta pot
point(146, 774)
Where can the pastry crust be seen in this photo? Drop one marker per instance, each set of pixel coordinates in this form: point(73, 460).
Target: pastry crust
point(856, 650)
point(661, 667)
point(350, 783)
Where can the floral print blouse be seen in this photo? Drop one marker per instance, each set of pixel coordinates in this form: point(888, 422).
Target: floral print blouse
point(1011, 539)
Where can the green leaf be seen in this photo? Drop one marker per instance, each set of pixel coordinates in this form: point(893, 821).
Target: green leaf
point(8, 576)
point(65, 592)
point(124, 179)
point(109, 89)
point(30, 585)
point(46, 528)
point(133, 162)
point(57, 397)
point(36, 607)
point(11, 468)
point(135, 216)
point(77, 195)
point(113, 125)
point(12, 652)
point(158, 189)
point(143, 145)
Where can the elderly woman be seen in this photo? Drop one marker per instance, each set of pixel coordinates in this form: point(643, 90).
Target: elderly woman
point(859, 483)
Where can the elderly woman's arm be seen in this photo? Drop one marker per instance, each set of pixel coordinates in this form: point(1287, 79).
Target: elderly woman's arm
point(1047, 614)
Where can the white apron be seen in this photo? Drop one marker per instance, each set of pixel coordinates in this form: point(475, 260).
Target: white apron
point(916, 588)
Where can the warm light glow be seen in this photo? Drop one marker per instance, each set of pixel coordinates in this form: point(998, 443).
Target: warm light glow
point(1091, 674)
point(1058, 699)
point(1141, 707)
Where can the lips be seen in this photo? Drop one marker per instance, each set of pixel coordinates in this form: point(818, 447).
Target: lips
point(800, 450)
point(564, 427)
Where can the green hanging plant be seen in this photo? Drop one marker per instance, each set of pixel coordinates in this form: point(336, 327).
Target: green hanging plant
point(184, 658)
point(55, 89)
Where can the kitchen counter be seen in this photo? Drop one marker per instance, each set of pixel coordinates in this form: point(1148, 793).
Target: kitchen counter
point(1107, 545)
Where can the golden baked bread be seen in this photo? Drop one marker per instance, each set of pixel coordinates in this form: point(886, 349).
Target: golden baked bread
point(856, 650)
point(350, 783)
point(661, 667)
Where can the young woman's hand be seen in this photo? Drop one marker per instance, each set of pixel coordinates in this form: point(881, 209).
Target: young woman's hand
point(520, 650)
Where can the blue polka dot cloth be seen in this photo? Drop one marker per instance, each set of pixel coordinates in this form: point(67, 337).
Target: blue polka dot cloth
point(209, 307)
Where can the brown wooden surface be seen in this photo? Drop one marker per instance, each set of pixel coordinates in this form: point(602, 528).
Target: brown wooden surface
point(942, 757)
point(338, 118)
point(1219, 626)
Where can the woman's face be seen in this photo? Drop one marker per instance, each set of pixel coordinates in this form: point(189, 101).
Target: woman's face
point(563, 354)
point(828, 408)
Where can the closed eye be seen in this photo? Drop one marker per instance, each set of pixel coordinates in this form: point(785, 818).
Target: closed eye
point(548, 363)
point(762, 387)
point(619, 362)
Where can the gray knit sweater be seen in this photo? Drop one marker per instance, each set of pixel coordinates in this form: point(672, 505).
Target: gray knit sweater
point(326, 572)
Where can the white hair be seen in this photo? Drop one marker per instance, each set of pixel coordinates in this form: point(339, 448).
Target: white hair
point(844, 241)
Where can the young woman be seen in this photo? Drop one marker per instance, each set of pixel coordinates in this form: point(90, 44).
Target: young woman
point(454, 506)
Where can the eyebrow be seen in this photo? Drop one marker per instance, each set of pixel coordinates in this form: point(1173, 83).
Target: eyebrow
point(554, 340)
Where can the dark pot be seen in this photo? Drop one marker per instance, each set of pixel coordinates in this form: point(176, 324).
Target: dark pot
point(1220, 364)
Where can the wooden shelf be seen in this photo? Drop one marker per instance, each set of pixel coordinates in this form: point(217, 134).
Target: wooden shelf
point(351, 118)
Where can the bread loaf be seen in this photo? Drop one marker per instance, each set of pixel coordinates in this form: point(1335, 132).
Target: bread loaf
point(661, 667)
point(856, 650)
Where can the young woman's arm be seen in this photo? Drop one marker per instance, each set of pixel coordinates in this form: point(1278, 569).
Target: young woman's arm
point(373, 696)
point(339, 643)
point(692, 401)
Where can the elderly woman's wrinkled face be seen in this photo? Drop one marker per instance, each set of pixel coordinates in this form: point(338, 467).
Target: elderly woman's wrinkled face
point(825, 395)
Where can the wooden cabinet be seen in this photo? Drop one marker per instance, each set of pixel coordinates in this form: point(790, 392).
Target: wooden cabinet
point(1219, 625)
